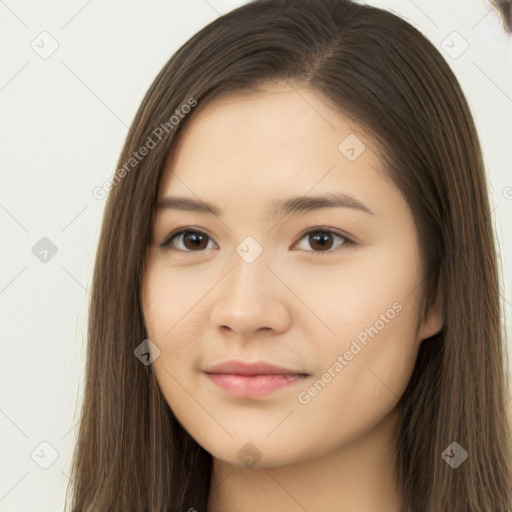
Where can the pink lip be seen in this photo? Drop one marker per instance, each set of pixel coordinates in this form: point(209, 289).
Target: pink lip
point(246, 380)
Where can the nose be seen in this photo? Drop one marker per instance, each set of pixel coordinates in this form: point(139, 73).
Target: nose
point(250, 298)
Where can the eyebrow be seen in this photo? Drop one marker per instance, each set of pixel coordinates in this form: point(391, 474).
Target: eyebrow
point(278, 208)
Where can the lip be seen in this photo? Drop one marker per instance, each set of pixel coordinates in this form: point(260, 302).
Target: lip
point(250, 369)
point(246, 380)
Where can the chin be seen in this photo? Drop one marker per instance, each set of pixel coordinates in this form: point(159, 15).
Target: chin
point(255, 451)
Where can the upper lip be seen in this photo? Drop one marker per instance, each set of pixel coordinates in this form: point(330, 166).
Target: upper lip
point(244, 368)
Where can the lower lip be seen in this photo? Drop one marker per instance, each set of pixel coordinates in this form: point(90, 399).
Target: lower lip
point(245, 386)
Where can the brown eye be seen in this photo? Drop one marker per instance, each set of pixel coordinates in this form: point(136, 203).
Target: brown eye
point(187, 241)
point(323, 241)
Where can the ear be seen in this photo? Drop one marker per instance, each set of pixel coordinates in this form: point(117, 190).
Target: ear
point(433, 320)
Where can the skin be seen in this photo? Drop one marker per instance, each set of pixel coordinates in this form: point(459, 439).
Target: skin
point(294, 306)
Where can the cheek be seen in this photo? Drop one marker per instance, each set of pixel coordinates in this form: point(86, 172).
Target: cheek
point(353, 293)
point(174, 311)
point(364, 370)
point(172, 303)
point(164, 308)
point(371, 306)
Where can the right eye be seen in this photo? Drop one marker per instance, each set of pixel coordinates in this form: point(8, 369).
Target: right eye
point(187, 240)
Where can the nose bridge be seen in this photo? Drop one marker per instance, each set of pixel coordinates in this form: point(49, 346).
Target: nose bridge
point(251, 297)
point(248, 277)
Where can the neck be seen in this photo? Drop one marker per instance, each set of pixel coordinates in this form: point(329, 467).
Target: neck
point(358, 476)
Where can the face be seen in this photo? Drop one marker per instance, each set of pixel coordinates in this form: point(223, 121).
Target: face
point(321, 302)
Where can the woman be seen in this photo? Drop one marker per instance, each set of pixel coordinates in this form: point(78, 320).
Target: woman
point(296, 295)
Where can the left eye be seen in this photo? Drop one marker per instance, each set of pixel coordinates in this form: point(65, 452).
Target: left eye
point(322, 239)
point(194, 241)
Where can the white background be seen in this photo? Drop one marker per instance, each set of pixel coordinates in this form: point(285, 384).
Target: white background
point(63, 122)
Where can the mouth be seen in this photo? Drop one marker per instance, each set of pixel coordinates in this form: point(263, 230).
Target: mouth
point(247, 380)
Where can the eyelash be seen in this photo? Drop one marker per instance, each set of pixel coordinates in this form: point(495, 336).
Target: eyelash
point(347, 241)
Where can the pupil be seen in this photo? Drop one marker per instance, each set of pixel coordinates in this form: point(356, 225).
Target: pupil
point(196, 239)
point(322, 236)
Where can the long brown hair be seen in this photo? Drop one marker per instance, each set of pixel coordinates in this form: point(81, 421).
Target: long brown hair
point(378, 70)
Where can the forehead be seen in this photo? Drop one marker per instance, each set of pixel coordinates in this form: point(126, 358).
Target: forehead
point(279, 143)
